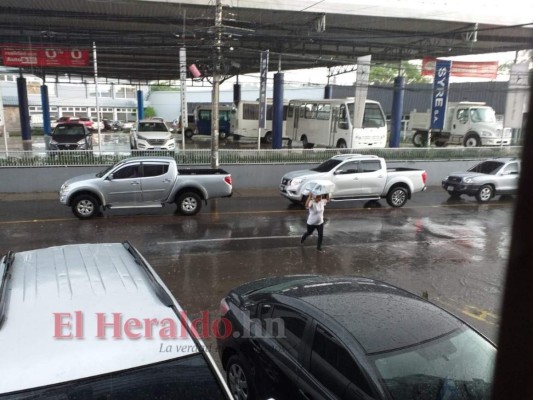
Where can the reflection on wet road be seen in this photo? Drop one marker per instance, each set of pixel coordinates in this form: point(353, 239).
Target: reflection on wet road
point(456, 253)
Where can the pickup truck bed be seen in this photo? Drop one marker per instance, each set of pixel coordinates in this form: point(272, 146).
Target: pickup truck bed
point(201, 171)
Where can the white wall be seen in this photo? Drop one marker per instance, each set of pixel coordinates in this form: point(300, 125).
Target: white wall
point(167, 104)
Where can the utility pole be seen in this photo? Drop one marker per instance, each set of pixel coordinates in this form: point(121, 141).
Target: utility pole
point(216, 83)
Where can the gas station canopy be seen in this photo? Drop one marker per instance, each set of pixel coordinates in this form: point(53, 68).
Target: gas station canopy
point(139, 41)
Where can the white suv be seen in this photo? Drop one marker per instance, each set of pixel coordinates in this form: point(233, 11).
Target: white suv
point(152, 135)
point(94, 321)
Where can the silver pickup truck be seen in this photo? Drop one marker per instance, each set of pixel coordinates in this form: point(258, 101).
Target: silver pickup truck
point(498, 176)
point(356, 177)
point(142, 182)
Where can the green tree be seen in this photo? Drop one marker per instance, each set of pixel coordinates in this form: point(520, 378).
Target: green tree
point(385, 73)
point(149, 112)
point(164, 88)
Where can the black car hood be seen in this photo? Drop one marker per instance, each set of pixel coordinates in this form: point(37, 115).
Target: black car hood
point(68, 138)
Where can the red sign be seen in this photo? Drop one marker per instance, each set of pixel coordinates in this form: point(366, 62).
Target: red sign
point(44, 56)
point(473, 69)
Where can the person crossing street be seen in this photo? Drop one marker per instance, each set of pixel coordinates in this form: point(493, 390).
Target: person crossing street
point(315, 220)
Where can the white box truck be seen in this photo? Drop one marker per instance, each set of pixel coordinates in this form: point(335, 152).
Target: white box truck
point(470, 124)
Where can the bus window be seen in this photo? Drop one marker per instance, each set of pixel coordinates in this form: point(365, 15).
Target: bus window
point(302, 111)
point(250, 111)
point(310, 110)
point(373, 117)
point(323, 111)
point(343, 117)
point(290, 110)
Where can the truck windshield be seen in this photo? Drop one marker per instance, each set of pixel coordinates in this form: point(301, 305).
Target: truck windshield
point(487, 167)
point(327, 166)
point(482, 114)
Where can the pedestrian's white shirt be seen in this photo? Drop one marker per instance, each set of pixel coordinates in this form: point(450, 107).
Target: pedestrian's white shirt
point(316, 212)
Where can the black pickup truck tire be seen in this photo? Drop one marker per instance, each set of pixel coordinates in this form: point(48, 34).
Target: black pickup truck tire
point(189, 203)
point(85, 206)
point(397, 196)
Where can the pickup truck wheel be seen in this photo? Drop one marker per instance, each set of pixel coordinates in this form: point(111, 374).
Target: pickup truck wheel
point(189, 203)
point(85, 206)
point(189, 133)
point(397, 197)
point(485, 193)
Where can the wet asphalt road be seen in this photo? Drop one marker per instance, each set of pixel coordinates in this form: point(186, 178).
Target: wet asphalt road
point(455, 251)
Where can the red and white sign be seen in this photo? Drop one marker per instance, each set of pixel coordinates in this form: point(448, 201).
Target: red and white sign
point(463, 69)
point(44, 56)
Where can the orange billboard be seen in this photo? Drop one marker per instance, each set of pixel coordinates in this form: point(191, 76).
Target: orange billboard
point(464, 69)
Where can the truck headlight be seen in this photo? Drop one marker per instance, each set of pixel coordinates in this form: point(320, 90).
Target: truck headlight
point(487, 134)
point(295, 181)
point(468, 180)
point(64, 187)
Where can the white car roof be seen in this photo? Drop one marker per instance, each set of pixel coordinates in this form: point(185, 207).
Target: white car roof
point(92, 278)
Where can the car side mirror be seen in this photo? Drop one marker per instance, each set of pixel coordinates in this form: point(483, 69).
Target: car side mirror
point(110, 177)
point(338, 172)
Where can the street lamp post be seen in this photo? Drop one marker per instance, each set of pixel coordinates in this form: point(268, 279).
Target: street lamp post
point(216, 83)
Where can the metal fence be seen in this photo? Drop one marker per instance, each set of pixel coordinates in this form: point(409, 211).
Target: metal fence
point(227, 157)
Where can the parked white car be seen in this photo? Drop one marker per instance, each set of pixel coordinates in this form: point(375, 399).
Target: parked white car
point(95, 321)
point(151, 135)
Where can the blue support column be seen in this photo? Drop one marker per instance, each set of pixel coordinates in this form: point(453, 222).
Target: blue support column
point(45, 103)
point(140, 105)
point(328, 91)
point(277, 112)
point(397, 108)
point(24, 113)
point(236, 93)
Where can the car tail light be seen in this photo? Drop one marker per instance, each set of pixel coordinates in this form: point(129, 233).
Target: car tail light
point(224, 307)
point(228, 180)
point(424, 177)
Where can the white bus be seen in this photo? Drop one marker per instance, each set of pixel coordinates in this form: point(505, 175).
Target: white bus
point(245, 121)
point(330, 123)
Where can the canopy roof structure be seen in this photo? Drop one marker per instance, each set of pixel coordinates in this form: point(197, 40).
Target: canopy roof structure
point(139, 40)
